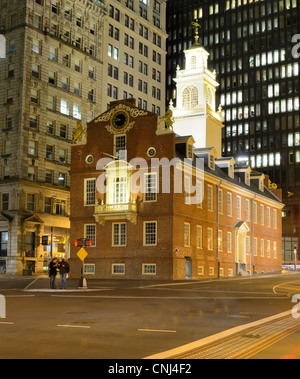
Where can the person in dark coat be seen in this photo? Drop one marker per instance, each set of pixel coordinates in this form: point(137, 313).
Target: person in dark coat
point(53, 272)
point(64, 268)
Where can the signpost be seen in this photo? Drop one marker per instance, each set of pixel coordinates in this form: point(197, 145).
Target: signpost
point(295, 260)
point(82, 254)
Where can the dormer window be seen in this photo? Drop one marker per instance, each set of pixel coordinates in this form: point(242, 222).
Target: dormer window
point(190, 151)
point(231, 171)
point(247, 178)
point(211, 162)
point(261, 184)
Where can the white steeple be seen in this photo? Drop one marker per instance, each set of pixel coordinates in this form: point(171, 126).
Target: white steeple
point(195, 113)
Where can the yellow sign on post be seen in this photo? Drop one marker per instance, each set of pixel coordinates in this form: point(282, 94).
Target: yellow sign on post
point(82, 254)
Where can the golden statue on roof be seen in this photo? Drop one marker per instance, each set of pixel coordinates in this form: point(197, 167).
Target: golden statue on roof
point(196, 25)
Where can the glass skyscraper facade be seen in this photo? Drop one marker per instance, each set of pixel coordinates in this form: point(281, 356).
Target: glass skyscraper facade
point(252, 47)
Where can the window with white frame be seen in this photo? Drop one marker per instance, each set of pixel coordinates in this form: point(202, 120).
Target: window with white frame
point(199, 193)
point(210, 237)
point(210, 197)
point(149, 269)
point(274, 219)
point(187, 190)
point(247, 240)
point(118, 269)
point(120, 147)
point(119, 233)
point(199, 237)
point(255, 246)
point(151, 186)
point(90, 233)
point(220, 240)
point(275, 249)
point(229, 204)
point(239, 207)
point(90, 191)
point(187, 234)
point(268, 217)
point(268, 249)
point(262, 211)
point(120, 190)
point(247, 210)
point(150, 233)
point(229, 242)
point(262, 247)
point(255, 213)
point(89, 269)
point(220, 201)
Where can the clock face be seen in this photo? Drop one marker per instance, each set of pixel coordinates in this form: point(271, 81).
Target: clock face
point(120, 120)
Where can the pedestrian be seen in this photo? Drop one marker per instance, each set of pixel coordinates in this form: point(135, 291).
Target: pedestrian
point(64, 269)
point(53, 272)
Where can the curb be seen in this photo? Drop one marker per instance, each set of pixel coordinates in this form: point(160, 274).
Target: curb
point(215, 337)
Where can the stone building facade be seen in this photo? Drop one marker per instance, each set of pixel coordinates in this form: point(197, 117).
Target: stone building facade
point(134, 53)
point(50, 80)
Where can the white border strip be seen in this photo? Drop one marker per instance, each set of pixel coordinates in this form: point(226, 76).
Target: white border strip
point(215, 337)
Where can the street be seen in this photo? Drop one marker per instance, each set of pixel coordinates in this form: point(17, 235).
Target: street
point(141, 319)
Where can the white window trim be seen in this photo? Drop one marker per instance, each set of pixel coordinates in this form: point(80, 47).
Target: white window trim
point(85, 226)
point(85, 192)
point(112, 234)
point(189, 234)
point(144, 233)
point(89, 273)
point(117, 273)
point(145, 187)
point(148, 273)
point(210, 202)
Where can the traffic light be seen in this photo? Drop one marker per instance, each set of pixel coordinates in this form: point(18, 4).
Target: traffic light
point(83, 242)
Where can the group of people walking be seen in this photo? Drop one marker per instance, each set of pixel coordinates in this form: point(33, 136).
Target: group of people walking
point(63, 267)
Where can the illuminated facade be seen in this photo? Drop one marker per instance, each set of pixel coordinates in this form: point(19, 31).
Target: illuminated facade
point(250, 46)
point(48, 84)
point(213, 217)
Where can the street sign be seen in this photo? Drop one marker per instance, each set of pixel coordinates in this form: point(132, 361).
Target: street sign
point(82, 254)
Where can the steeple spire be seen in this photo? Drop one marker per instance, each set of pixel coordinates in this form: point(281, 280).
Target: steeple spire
point(196, 26)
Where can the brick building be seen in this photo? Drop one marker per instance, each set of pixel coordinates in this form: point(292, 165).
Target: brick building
point(232, 226)
point(164, 204)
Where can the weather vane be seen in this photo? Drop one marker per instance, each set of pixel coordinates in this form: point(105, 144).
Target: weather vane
point(196, 26)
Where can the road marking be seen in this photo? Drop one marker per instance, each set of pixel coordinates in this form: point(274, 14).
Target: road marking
point(30, 284)
point(7, 323)
point(292, 354)
point(176, 297)
point(19, 296)
point(74, 326)
point(157, 330)
point(286, 286)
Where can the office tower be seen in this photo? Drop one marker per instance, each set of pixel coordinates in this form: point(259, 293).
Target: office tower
point(50, 80)
point(134, 53)
point(250, 46)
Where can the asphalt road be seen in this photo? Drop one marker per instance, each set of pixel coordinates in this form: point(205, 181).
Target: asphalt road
point(139, 319)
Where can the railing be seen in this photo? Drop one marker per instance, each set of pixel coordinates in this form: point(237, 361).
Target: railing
point(116, 208)
point(126, 211)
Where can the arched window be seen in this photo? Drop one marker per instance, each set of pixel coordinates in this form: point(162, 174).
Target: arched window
point(190, 97)
point(209, 97)
point(193, 62)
